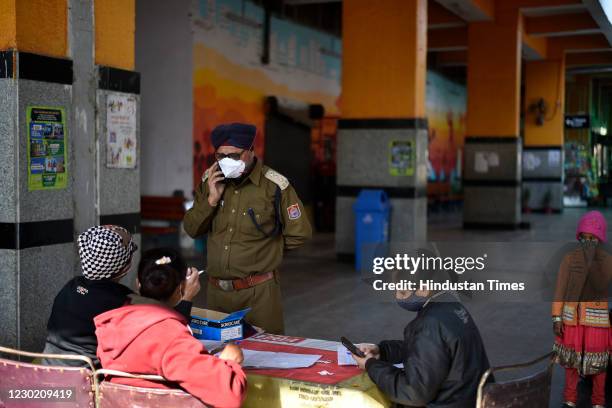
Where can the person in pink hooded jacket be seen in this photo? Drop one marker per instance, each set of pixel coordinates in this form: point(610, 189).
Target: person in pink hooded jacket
point(580, 316)
point(149, 337)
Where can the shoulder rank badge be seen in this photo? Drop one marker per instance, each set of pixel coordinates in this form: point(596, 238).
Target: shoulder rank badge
point(277, 178)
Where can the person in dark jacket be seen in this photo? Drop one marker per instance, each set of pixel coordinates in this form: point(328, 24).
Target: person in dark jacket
point(149, 337)
point(442, 353)
point(106, 257)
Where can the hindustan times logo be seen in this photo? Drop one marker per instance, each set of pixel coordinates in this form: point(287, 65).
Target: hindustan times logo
point(412, 264)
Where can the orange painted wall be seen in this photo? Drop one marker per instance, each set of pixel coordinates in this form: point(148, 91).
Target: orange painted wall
point(545, 79)
point(115, 24)
point(384, 58)
point(493, 78)
point(37, 26)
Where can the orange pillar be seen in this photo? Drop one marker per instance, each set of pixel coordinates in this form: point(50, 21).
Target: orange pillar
point(384, 59)
point(34, 26)
point(115, 24)
point(382, 137)
point(543, 135)
point(544, 82)
point(492, 172)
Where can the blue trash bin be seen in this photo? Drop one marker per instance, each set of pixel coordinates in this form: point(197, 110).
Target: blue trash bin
point(372, 210)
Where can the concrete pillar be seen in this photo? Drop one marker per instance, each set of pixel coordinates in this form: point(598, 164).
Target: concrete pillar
point(492, 159)
point(38, 225)
point(383, 108)
point(543, 128)
point(119, 197)
point(85, 157)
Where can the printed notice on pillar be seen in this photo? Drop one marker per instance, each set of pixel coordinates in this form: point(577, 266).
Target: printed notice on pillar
point(401, 158)
point(121, 131)
point(47, 148)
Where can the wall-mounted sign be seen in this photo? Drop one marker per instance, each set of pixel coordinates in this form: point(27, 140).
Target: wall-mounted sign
point(47, 148)
point(401, 158)
point(485, 160)
point(121, 131)
point(577, 121)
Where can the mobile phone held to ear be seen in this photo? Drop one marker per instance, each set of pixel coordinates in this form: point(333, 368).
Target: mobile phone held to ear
point(351, 347)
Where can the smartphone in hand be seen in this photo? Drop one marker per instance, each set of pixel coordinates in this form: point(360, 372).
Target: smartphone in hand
point(351, 347)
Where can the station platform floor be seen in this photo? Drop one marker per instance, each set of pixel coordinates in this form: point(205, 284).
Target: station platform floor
point(325, 298)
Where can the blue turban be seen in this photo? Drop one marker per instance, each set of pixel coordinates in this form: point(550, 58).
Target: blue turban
point(239, 135)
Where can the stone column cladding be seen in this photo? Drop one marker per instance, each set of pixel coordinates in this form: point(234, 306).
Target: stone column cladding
point(363, 157)
point(119, 188)
point(542, 175)
point(492, 182)
point(37, 254)
point(37, 250)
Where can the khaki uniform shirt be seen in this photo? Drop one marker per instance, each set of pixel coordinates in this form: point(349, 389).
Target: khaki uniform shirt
point(236, 248)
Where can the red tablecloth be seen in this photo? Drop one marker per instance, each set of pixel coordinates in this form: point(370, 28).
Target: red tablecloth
point(310, 374)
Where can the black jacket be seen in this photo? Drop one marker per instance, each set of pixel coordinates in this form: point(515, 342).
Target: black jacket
point(443, 356)
point(71, 329)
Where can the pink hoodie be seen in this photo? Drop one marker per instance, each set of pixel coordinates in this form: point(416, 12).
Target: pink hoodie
point(154, 339)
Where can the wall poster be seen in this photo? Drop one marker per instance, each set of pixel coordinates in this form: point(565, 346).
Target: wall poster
point(47, 156)
point(121, 131)
point(401, 158)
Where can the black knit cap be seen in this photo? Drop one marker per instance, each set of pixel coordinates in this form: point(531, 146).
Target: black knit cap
point(240, 135)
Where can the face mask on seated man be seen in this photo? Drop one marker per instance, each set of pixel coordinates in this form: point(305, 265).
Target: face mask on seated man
point(441, 332)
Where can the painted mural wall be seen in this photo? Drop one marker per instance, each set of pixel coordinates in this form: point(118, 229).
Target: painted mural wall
point(230, 81)
point(446, 109)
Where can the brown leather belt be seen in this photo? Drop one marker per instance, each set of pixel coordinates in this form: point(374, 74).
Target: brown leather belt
point(229, 285)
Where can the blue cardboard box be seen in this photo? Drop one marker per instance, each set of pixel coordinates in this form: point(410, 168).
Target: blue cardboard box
point(212, 325)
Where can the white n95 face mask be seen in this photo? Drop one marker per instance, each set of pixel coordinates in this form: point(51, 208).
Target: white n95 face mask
point(231, 168)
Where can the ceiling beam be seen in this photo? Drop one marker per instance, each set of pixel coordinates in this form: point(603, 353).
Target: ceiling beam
point(545, 6)
point(601, 16)
point(452, 39)
point(470, 10)
point(439, 17)
point(578, 43)
point(561, 25)
point(534, 48)
point(588, 59)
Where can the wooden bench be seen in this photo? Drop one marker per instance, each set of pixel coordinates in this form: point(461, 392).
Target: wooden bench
point(166, 209)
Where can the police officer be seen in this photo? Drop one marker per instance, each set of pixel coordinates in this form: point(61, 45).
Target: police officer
point(251, 214)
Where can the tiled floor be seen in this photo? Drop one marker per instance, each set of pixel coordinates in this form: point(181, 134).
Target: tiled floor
point(324, 298)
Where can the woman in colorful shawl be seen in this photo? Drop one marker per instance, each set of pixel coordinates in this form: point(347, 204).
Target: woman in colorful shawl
point(580, 311)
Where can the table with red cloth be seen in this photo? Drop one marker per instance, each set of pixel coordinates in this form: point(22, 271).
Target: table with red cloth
point(325, 384)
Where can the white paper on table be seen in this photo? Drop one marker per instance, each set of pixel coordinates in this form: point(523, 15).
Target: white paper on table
point(400, 365)
point(345, 357)
point(318, 344)
point(270, 359)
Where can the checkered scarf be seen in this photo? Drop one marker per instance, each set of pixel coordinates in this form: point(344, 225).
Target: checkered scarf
point(103, 253)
